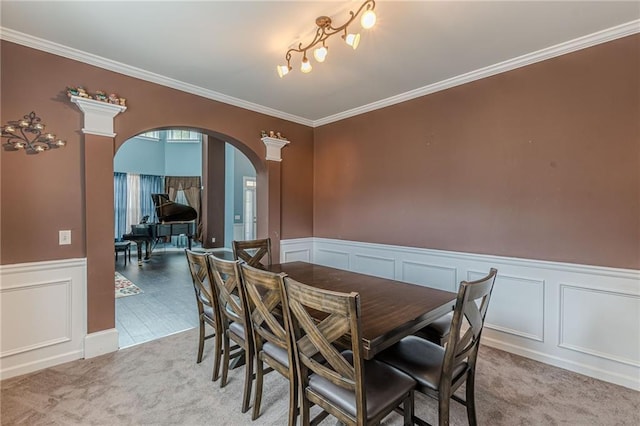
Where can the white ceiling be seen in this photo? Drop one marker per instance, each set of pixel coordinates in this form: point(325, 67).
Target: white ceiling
point(228, 50)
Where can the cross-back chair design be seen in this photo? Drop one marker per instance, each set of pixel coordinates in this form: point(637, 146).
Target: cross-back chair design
point(440, 371)
point(233, 313)
point(268, 311)
point(335, 380)
point(253, 252)
point(208, 308)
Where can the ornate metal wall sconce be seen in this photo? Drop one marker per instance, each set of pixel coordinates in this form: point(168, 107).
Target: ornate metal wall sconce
point(27, 134)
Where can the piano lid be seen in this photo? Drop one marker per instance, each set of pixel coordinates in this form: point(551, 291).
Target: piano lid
point(169, 211)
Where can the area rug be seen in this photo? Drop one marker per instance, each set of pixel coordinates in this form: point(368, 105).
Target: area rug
point(124, 287)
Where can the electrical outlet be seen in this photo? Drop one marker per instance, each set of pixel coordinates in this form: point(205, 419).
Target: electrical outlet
point(213, 239)
point(64, 237)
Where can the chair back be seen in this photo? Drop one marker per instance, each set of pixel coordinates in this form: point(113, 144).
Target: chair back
point(471, 308)
point(341, 312)
point(202, 282)
point(229, 288)
point(253, 251)
point(267, 307)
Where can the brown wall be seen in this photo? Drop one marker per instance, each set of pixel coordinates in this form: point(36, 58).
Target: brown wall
point(44, 193)
point(72, 188)
point(542, 162)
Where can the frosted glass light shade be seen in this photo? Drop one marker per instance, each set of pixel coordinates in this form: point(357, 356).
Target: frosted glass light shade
point(282, 70)
point(306, 67)
point(353, 40)
point(320, 54)
point(368, 19)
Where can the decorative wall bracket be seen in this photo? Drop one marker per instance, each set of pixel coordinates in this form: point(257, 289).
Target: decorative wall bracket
point(98, 116)
point(274, 147)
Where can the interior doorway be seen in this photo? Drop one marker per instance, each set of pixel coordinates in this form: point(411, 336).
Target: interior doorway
point(165, 303)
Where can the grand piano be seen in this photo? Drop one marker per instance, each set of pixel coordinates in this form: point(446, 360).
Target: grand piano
point(173, 219)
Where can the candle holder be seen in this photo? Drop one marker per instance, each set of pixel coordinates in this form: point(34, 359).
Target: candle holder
point(27, 133)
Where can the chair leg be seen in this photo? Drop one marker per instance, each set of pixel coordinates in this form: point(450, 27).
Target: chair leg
point(201, 341)
point(216, 356)
point(470, 396)
point(443, 409)
point(257, 397)
point(225, 360)
point(305, 410)
point(248, 379)
point(293, 401)
point(407, 408)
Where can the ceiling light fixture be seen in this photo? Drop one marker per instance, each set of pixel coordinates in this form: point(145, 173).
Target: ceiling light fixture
point(27, 134)
point(324, 31)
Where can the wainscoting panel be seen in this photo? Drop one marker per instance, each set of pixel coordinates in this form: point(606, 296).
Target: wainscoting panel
point(516, 307)
point(434, 276)
point(43, 311)
point(43, 315)
point(374, 265)
point(537, 309)
point(600, 312)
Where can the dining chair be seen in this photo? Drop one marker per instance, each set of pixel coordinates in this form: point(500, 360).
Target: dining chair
point(438, 331)
point(234, 315)
point(208, 307)
point(336, 382)
point(268, 311)
point(253, 252)
point(440, 371)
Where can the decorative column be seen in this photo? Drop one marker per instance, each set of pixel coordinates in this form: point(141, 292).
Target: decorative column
point(274, 173)
point(99, 222)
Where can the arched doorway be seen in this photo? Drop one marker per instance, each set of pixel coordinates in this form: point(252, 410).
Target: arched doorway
point(155, 298)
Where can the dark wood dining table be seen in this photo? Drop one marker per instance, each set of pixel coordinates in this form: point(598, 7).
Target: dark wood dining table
point(390, 310)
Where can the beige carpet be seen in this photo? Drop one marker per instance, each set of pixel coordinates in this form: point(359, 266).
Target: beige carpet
point(159, 383)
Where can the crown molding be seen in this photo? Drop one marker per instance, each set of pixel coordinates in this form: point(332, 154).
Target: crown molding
point(98, 61)
point(579, 43)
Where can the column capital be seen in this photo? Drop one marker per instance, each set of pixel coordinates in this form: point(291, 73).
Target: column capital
point(98, 116)
point(274, 147)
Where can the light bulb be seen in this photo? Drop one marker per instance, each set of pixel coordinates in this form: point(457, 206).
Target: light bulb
point(60, 142)
point(305, 67)
point(353, 40)
point(282, 70)
point(320, 53)
point(368, 19)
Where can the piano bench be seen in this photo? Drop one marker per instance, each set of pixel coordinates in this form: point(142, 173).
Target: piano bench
point(125, 248)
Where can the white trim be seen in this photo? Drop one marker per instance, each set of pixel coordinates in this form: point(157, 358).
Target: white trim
point(533, 330)
point(98, 116)
point(100, 343)
point(274, 147)
point(579, 43)
point(27, 291)
point(108, 64)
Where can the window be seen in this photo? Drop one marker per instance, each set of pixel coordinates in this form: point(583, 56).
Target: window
point(183, 136)
point(155, 135)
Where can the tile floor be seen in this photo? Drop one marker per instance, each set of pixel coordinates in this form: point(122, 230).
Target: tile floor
point(167, 305)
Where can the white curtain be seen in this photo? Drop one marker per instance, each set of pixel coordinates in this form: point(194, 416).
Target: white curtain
point(134, 213)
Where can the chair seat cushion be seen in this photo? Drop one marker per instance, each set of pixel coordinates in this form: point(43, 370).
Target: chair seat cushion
point(208, 312)
point(238, 330)
point(277, 353)
point(420, 359)
point(383, 385)
point(442, 325)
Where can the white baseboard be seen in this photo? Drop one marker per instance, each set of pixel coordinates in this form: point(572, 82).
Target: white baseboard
point(581, 318)
point(100, 343)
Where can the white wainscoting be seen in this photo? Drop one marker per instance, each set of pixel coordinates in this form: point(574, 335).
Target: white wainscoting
point(42, 315)
point(578, 317)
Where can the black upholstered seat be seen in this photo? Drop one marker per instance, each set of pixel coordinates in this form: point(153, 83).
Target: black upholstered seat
point(440, 371)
